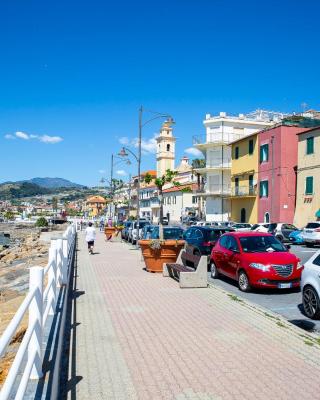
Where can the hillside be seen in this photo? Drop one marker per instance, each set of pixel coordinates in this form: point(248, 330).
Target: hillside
point(15, 190)
point(53, 183)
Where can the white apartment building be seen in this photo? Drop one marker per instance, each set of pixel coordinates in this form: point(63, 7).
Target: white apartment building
point(178, 203)
point(221, 130)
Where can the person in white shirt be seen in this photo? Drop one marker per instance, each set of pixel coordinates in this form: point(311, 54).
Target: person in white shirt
point(90, 237)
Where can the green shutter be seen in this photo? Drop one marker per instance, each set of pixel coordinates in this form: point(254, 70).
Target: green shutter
point(260, 187)
point(310, 145)
point(250, 146)
point(267, 188)
point(267, 152)
point(261, 155)
point(309, 185)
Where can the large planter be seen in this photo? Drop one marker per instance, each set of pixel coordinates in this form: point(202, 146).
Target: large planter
point(154, 258)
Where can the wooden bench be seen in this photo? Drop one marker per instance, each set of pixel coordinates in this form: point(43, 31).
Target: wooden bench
point(188, 277)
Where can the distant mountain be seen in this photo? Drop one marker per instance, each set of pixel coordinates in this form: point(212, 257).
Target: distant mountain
point(53, 183)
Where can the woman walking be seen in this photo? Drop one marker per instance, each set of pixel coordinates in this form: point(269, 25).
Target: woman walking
point(90, 237)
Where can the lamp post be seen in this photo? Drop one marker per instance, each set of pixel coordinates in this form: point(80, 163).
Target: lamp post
point(115, 160)
point(124, 150)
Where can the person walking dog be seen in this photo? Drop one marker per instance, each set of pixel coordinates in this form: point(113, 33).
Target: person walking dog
point(90, 237)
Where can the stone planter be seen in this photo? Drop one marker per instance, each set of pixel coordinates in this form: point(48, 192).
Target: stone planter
point(109, 232)
point(167, 253)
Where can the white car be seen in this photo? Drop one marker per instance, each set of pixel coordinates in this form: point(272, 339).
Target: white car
point(133, 231)
point(280, 230)
point(311, 234)
point(242, 227)
point(310, 285)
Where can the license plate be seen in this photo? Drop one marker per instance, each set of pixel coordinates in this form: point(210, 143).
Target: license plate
point(308, 231)
point(284, 285)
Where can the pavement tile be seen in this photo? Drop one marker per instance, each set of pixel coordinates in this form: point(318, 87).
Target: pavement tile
point(142, 337)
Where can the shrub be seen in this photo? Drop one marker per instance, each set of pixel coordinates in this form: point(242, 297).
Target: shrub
point(41, 222)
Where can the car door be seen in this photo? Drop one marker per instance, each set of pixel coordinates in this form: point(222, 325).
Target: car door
point(233, 258)
point(187, 235)
point(221, 255)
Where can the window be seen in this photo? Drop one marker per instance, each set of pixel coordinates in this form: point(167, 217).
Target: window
point(197, 234)
point(310, 145)
point(266, 217)
point(236, 183)
point(233, 245)
point(264, 153)
point(250, 146)
point(316, 261)
point(169, 200)
point(174, 200)
point(264, 189)
point(243, 215)
point(194, 199)
point(236, 152)
point(309, 185)
point(168, 147)
point(224, 241)
point(251, 188)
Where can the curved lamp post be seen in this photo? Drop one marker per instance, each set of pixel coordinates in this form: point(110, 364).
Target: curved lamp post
point(124, 151)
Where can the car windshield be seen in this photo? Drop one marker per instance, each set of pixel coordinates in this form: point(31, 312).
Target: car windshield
point(143, 223)
point(168, 233)
point(313, 225)
point(261, 244)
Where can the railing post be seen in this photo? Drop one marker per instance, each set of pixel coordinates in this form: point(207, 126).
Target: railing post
point(64, 260)
point(35, 316)
point(59, 261)
point(52, 276)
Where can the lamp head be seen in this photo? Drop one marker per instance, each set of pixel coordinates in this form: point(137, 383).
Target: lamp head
point(123, 153)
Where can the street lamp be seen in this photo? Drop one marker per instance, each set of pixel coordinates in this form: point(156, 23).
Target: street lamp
point(124, 150)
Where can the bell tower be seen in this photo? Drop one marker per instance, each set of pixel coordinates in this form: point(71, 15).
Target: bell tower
point(165, 149)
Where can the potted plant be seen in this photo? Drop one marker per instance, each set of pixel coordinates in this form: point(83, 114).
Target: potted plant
point(158, 251)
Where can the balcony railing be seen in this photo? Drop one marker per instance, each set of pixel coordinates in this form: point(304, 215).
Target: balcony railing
point(243, 191)
point(219, 190)
point(216, 137)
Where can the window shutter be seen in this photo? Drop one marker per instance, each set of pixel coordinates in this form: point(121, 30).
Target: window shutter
point(250, 146)
point(310, 145)
point(267, 188)
point(261, 155)
point(309, 185)
point(267, 152)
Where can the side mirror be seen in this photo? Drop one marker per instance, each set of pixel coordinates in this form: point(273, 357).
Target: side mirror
point(288, 247)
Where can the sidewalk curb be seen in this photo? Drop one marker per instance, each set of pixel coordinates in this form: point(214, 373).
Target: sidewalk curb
point(278, 319)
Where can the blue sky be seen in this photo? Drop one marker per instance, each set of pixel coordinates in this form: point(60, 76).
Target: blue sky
point(74, 73)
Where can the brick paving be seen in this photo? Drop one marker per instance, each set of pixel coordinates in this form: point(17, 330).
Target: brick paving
point(140, 336)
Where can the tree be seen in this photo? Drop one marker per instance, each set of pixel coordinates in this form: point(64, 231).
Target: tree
point(54, 203)
point(168, 177)
point(9, 215)
point(41, 222)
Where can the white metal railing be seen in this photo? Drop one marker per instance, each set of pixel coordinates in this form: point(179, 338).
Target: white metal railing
point(40, 302)
point(216, 137)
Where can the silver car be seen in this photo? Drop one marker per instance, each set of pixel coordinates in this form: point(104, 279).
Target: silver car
point(310, 285)
point(311, 234)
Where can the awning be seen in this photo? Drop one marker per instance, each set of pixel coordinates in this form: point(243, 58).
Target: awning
point(318, 213)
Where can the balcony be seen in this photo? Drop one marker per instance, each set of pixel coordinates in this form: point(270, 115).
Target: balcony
point(215, 138)
point(244, 191)
point(214, 190)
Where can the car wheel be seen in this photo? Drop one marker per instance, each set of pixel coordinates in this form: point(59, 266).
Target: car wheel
point(309, 244)
point(311, 303)
point(243, 282)
point(213, 270)
point(197, 253)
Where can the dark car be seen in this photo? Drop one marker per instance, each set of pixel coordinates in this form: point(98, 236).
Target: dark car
point(203, 238)
point(147, 231)
point(125, 230)
point(169, 232)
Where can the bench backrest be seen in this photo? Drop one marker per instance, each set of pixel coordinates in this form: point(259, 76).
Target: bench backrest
point(190, 258)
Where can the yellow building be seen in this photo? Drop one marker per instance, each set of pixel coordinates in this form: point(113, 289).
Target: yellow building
point(308, 178)
point(95, 205)
point(244, 176)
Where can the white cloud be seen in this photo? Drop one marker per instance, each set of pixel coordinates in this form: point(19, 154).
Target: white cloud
point(22, 135)
point(194, 152)
point(121, 172)
point(9, 137)
point(50, 139)
point(102, 171)
point(148, 146)
point(42, 138)
point(124, 140)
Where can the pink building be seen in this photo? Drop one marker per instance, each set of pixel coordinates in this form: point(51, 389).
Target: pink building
point(278, 156)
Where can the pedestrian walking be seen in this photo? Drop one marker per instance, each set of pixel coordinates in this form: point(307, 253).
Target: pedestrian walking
point(90, 237)
point(101, 225)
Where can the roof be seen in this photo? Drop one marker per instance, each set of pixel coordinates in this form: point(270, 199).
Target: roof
point(245, 137)
point(96, 199)
point(309, 130)
point(192, 186)
point(151, 172)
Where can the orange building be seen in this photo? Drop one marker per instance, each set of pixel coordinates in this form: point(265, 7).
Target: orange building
point(95, 205)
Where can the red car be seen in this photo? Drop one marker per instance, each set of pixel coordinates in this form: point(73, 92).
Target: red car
point(255, 259)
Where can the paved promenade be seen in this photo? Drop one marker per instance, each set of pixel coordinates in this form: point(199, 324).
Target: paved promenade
point(139, 336)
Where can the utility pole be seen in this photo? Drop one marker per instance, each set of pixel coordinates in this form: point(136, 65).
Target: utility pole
point(139, 169)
